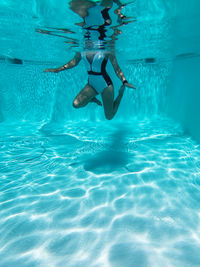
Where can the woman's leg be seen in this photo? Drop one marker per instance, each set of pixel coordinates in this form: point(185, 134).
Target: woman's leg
point(111, 106)
point(85, 96)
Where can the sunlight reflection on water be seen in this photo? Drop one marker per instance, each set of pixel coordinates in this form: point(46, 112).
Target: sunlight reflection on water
point(125, 196)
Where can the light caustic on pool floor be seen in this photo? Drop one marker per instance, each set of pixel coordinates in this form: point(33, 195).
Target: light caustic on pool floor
point(107, 195)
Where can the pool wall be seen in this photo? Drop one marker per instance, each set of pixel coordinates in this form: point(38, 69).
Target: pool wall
point(184, 89)
point(29, 94)
point(162, 61)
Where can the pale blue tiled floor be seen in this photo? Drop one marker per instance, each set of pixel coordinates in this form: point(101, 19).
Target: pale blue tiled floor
point(101, 194)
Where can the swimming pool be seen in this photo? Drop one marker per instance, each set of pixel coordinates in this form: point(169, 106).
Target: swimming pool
point(76, 189)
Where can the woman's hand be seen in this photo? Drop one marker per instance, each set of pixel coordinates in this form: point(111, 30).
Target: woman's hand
point(129, 85)
point(52, 70)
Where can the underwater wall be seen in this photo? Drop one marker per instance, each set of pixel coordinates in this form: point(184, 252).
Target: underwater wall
point(148, 50)
point(29, 94)
point(184, 90)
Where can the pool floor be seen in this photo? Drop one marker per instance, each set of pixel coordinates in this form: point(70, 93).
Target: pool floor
point(99, 194)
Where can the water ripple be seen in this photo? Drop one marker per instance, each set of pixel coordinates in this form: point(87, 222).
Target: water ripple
point(101, 195)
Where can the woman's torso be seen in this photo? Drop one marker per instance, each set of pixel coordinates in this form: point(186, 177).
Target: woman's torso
point(94, 60)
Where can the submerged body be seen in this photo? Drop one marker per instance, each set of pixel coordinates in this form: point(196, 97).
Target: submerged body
point(96, 63)
point(96, 18)
point(98, 81)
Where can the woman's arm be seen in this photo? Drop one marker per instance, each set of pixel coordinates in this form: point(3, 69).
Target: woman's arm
point(116, 67)
point(72, 63)
point(118, 71)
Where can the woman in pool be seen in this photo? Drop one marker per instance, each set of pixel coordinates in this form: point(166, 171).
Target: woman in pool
point(99, 81)
point(96, 58)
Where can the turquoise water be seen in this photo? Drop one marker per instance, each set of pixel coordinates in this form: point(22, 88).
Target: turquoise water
point(108, 195)
point(76, 189)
